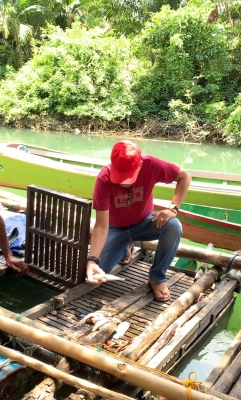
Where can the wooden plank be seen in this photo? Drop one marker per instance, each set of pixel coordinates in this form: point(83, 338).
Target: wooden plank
point(236, 390)
point(50, 323)
point(63, 298)
point(202, 329)
point(224, 361)
point(146, 299)
point(121, 307)
point(196, 338)
point(57, 318)
point(221, 176)
point(39, 310)
point(224, 295)
point(229, 377)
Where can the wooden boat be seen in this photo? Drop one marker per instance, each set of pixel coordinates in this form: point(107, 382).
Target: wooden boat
point(74, 174)
point(203, 224)
point(12, 375)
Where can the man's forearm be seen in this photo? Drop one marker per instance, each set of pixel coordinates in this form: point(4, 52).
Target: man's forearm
point(4, 245)
point(181, 188)
point(98, 239)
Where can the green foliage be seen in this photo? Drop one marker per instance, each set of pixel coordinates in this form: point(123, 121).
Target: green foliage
point(15, 31)
point(177, 65)
point(232, 126)
point(193, 67)
point(78, 73)
point(188, 54)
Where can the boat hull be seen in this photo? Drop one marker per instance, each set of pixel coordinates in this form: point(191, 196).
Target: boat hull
point(202, 224)
point(19, 169)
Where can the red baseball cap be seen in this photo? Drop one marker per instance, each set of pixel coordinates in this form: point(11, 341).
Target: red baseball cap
point(125, 162)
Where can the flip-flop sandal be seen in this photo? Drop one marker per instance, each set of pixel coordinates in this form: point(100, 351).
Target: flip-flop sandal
point(128, 259)
point(162, 299)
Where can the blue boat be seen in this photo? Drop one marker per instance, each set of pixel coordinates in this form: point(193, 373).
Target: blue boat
point(12, 375)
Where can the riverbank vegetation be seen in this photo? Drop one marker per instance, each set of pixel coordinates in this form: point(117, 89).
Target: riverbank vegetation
point(143, 67)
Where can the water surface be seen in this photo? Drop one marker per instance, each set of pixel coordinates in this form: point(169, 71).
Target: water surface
point(206, 157)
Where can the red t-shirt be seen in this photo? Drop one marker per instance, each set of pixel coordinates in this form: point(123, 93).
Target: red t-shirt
point(128, 206)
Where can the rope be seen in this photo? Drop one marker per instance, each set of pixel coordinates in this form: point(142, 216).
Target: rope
point(19, 317)
point(26, 350)
point(230, 263)
point(190, 384)
point(6, 362)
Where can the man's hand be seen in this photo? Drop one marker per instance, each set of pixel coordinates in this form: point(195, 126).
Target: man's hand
point(162, 217)
point(94, 274)
point(17, 265)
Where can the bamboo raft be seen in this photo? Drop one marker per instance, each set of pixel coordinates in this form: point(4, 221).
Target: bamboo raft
point(84, 322)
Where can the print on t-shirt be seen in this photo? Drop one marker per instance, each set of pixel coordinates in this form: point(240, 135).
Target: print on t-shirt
point(127, 199)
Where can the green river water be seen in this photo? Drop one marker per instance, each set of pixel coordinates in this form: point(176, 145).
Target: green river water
point(188, 155)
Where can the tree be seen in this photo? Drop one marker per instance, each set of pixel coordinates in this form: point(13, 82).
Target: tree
point(15, 32)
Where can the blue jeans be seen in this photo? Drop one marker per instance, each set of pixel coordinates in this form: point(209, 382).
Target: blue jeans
point(118, 240)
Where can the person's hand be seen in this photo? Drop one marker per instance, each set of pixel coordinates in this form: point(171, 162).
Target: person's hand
point(17, 265)
point(94, 274)
point(162, 217)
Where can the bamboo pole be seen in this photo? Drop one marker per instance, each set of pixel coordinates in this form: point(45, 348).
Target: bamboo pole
point(55, 373)
point(197, 254)
point(13, 205)
point(123, 369)
point(27, 321)
point(15, 197)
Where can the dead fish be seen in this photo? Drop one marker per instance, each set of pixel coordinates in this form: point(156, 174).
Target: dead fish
point(121, 329)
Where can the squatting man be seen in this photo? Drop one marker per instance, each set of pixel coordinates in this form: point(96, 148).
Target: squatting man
point(123, 201)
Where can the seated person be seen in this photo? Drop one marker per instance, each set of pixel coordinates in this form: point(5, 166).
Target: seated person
point(12, 262)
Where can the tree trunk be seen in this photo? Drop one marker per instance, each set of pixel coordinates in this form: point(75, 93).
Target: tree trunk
point(44, 390)
point(178, 323)
point(198, 254)
point(203, 265)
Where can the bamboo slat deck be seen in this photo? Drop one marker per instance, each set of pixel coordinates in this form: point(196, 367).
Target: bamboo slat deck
point(133, 301)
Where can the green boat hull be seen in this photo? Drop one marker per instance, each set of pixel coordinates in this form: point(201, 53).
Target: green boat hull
point(203, 224)
point(19, 169)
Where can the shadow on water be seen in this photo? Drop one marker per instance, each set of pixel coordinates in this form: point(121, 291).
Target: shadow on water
point(19, 294)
